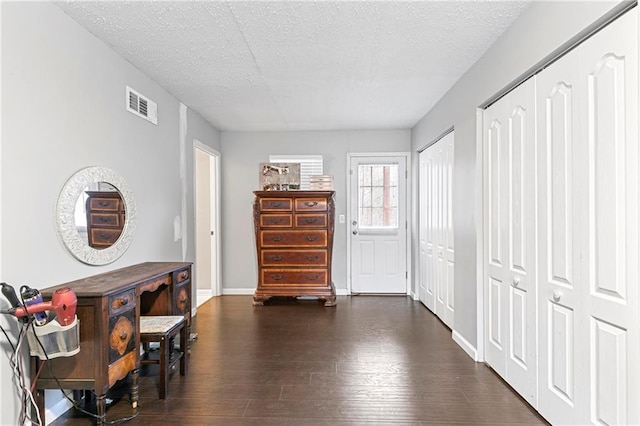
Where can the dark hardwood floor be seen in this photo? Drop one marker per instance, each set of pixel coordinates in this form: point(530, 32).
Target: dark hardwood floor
point(370, 360)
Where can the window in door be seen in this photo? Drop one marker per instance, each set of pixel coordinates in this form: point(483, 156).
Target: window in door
point(378, 196)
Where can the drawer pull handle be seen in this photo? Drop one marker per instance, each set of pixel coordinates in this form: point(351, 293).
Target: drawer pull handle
point(183, 300)
point(310, 220)
point(124, 301)
point(311, 203)
point(276, 238)
point(311, 237)
point(103, 203)
point(275, 204)
point(312, 277)
point(103, 219)
point(124, 335)
point(276, 258)
point(276, 220)
point(276, 277)
point(312, 258)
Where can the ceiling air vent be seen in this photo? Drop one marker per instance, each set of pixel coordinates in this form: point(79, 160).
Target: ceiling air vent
point(141, 106)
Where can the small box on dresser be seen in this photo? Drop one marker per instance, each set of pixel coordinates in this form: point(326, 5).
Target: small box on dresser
point(294, 243)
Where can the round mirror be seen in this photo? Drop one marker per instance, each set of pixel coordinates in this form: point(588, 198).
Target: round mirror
point(96, 215)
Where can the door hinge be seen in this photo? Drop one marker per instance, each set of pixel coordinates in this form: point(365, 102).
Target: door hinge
point(351, 172)
point(406, 275)
point(406, 174)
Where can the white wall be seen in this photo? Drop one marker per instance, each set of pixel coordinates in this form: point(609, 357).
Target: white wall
point(542, 28)
point(243, 151)
point(63, 109)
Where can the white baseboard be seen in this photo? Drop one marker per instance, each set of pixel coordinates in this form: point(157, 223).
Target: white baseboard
point(238, 291)
point(57, 409)
point(465, 345)
point(203, 296)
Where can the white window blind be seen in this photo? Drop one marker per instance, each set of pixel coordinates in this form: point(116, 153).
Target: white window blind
point(310, 165)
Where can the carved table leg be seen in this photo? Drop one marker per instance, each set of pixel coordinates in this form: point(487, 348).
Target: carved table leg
point(39, 397)
point(134, 388)
point(101, 407)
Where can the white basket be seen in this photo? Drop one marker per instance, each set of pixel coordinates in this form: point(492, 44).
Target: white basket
point(57, 340)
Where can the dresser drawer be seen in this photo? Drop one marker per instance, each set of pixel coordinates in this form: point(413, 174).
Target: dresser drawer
point(182, 299)
point(298, 277)
point(104, 236)
point(275, 204)
point(275, 220)
point(105, 220)
point(122, 335)
point(294, 257)
point(183, 275)
point(109, 204)
point(311, 204)
point(306, 238)
point(121, 302)
point(311, 220)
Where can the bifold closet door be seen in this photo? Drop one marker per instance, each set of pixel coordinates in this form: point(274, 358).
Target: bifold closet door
point(509, 241)
point(427, 232)
point(588, 231)
point(436, 229)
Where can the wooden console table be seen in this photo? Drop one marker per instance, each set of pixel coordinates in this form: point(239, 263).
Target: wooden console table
point(109, 309)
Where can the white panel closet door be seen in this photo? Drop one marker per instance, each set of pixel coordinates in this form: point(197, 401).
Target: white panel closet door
point(588, 231)
point(436, 229)
point(427, 243)
point(510, 230)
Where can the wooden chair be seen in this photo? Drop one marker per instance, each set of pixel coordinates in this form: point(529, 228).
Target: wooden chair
point(163, 329)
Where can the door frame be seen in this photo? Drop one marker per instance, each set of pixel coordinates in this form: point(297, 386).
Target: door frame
point(214, 199)
point(407, 158)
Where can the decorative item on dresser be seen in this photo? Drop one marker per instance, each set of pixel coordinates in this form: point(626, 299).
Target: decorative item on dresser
point(294, 242)
point(109, 309)
point(105, 218)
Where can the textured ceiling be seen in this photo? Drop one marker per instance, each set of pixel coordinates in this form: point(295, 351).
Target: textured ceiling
point(323, 65)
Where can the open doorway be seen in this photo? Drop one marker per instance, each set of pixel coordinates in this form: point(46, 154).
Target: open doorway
point(207, 222)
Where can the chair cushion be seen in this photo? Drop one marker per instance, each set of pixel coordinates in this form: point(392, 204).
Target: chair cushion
point(159, 324)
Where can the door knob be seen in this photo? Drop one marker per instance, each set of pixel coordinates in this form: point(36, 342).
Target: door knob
point(557, 294)
point(354, 223)
point(355, 232)
point(516, 282)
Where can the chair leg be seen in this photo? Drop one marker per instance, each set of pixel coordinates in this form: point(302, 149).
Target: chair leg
point(184, 341)
point(164, 362)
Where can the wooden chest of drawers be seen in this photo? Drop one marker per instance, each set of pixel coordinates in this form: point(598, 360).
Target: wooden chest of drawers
point(294, 242)
point(105, 218)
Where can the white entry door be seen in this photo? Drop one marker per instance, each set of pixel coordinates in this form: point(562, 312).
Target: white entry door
point(378, 224)
point(509, 239)
point(436, 228)
point(588, 216)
